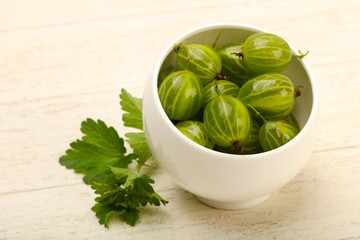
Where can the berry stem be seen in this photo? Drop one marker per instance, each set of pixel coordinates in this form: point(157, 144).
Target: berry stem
point(221, 77)
point(297, 93)
point(216, 40)
point(239, 54)
point(236, 147)
point(301, 55)
point(177, 46)
point(217, 90)
point(257, 113)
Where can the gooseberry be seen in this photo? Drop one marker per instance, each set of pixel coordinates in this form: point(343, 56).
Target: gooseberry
point(275, 133)
point(224, 86)
point(181, 95)
point(164, 73)
point(265, 52)
point(200, 59)
point(232, 67)
point(250, 145)
point(293, 121)
point(227, 121)
point(195, 131)
point(271, 95)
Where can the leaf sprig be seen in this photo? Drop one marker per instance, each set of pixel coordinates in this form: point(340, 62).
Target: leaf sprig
point(101, 156)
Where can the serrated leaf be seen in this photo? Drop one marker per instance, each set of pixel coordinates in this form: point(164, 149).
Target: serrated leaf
point(101, 174)
point(104, 212)
point(125, 175)
point(142, 185)
point(101, 145)
point(131, 216)
point(99, 134)
point(133, 107)
point(145, 182)
point(110, 194)
point(139, 188)
point(139, 145)
point(100, 155)
point(129, 192)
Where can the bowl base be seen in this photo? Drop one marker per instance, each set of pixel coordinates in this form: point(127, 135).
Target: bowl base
point(234, 205)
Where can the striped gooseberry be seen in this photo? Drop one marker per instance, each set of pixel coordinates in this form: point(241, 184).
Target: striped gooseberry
point(181, 95)
point(265, 52)
point(200, 59)
point(271, 95)
point(227, 121)
point(250, 145)
point(224, 86)
point(275, 133)
point(195, 131)
point(293, 121)
point(164, 73)
point(232, 67)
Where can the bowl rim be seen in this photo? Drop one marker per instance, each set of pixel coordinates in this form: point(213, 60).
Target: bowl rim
point(237, 157)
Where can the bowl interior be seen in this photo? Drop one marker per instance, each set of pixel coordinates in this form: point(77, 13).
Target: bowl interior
point(297, 70)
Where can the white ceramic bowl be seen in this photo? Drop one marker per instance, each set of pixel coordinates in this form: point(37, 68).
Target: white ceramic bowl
point(223, 180)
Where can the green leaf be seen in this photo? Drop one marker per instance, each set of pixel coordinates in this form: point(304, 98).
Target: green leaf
point(130, 191)
point(131, 216)
point(99, 134)
point(139, 145)
point(105, 212)
point(101, 174)
point(125, 175)
point(138, 187)
point(101, 156)
point(133, 107)
point(110, 194)
point(101, 145)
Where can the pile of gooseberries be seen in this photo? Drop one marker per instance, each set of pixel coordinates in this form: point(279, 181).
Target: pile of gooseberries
point(233, 99)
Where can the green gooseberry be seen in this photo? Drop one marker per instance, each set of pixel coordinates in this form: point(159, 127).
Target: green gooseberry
point(293, 121)
point(200, 59)
point(164, 73)
point(265, 52)
point(275, 133)
point(232, 67)
point(195, 131)
point(270, 95)
point(250, 145)
point(181, 95)
point(227, 121)
point(224, 86)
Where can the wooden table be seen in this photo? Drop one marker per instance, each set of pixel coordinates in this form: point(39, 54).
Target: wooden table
point(64, 61)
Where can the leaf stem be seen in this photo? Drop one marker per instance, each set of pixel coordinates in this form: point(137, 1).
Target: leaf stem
point(138, 167)
point(141, 164)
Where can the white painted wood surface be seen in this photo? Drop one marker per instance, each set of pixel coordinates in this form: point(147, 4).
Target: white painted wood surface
point(64, 61)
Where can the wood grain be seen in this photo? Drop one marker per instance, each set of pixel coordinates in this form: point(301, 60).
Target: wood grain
point(64, 61)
